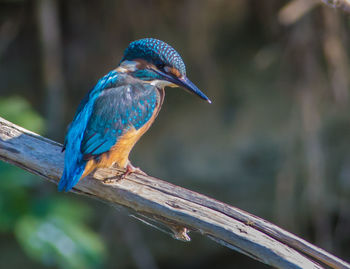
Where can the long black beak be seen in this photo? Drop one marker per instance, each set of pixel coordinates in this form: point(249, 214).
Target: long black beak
point(188, 85)
point(185, 83)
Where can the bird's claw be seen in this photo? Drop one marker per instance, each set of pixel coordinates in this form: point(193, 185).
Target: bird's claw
point(132, 169)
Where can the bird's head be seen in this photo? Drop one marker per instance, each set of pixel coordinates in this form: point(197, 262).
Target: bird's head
point(156, 62)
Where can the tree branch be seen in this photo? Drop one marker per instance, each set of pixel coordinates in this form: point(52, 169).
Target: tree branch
point(168, 207)
point(342, 4)
point(293, 10)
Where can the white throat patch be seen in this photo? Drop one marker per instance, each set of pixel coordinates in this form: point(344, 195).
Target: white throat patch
point(161, 83)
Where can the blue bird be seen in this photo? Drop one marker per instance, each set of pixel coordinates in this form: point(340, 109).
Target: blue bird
point(120, 109)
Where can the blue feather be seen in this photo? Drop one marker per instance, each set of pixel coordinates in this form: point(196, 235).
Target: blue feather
point(115, 111)
point(110, 109)
point(120, 102)
point(155, 51)
point(74, 164)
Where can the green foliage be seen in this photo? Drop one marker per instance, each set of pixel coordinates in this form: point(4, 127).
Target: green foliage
point(17, 110)
point(50, 229)
point(58, 239)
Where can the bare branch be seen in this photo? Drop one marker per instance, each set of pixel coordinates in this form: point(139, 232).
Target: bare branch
point(168, 207)
point(341, 4)
point(293, 10)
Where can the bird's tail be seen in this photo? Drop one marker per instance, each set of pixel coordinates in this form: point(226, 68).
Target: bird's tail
point(71, 177)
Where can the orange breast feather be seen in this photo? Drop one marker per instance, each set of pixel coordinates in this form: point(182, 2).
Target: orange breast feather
point(119, 153)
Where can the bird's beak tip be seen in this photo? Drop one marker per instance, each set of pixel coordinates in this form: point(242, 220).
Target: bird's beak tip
point(185, 83)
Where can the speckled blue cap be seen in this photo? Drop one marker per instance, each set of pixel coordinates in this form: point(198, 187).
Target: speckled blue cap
point(155, 51)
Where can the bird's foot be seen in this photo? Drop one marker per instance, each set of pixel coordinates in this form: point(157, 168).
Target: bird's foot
point(132, 169)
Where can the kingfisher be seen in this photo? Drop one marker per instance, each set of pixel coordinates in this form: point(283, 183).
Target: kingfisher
point(121, 107)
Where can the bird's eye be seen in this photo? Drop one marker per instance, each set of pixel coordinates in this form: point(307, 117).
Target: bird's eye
point(160, 66)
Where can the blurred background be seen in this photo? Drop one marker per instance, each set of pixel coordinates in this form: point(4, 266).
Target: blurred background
point(274, 142)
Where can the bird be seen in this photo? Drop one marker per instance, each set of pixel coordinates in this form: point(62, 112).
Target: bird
point(120, 108)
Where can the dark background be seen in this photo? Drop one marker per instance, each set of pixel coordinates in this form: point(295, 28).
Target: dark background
point(274, 142)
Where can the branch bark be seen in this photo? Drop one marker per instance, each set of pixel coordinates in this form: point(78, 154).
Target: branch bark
point(167, 207)
point(293, 10)
point(341, 4)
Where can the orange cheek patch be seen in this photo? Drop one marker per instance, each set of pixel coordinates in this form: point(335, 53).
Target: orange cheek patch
point(141, 64)
point(173, 71)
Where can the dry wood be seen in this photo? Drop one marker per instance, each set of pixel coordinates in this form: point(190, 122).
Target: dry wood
point(168, 207)
point(293, 10)
point(341, 4)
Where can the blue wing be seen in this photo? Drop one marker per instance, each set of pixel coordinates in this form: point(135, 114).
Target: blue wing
point(102, 117)
point(115, 111)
